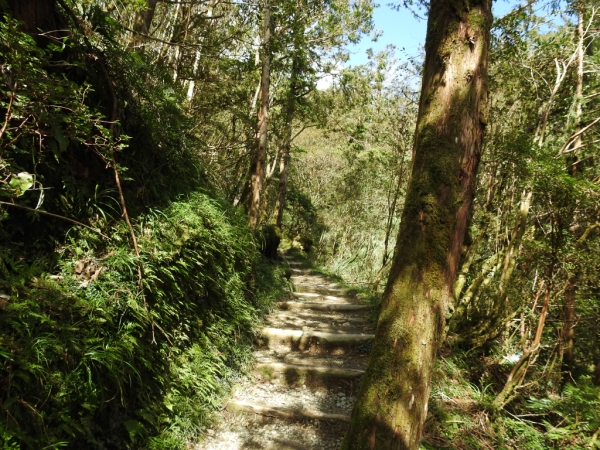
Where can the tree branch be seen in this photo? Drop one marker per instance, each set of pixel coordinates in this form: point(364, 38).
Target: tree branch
point(56, 216)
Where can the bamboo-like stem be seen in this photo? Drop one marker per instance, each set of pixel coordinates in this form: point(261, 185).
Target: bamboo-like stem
point(8, 114)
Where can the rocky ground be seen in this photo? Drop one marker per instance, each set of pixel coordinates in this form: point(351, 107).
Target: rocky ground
point(309, 361)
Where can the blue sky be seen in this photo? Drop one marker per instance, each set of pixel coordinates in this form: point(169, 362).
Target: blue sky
point(403, 30)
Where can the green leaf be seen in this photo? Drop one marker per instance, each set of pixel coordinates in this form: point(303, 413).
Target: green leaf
point(63, 142)
point(134, 428)
point(21, 183)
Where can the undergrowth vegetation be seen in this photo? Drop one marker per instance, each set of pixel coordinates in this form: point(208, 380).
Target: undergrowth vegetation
point(462, 415)
point(87, 349)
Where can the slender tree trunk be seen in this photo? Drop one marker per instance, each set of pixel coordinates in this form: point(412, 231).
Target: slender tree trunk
point(568, 329)
point(512, 251)
point(484, 330)
point(192, 82)
point(284, 168)
point(284, 171)
point(391, 213)
point(144, 19)
point(572, 160)
point(170, 29)
point(257, 169)
point(517, 374)
point(483, 229)
point(579, 85)
point(254, 98)
point(391, 406)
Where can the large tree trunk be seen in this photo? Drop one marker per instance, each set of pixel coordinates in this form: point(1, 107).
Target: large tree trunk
point(392, 404)
point(257, 169)
point(36, 15)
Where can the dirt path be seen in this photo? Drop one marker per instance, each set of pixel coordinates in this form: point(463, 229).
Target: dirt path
point(309, 361)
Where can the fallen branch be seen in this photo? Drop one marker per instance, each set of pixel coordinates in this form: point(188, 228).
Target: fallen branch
point(575, 135)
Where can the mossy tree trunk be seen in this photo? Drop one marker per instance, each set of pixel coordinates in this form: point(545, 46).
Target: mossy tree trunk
point(568, 329)
point(392, 404)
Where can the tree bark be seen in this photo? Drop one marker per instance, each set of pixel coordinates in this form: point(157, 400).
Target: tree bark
point(144, 18)
point(257, 169)
point(568, 330)
point(36, 15)
point(284, 169)
point(391, 406)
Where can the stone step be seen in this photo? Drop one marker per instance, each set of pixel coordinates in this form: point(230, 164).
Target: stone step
point(316, 296)
point(314, 280)
point(320, 290)
point(328, 317)
point(293, 262)
point(255, 442)
point(355, 361)
point(322, 306)
point(297, 374)
point(309, 276)
point(315, 341)
point(284, 413)
point(259, 432)
point(348, 322)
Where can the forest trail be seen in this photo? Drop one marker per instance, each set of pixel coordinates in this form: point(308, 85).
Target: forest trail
point(310, 358)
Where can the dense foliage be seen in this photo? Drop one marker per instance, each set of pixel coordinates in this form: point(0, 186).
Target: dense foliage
point(115, 333)
point(355, 167)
